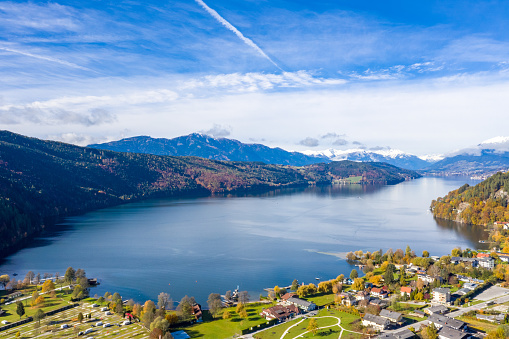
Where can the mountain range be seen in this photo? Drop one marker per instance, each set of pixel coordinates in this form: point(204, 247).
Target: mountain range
point(485, 158)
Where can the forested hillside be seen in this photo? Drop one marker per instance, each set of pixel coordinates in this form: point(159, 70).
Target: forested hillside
point(481, 204)
point(42, 179)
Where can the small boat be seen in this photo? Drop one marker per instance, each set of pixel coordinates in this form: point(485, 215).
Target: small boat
point(317, 278)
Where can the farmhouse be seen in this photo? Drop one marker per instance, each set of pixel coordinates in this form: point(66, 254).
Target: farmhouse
point(280, 312)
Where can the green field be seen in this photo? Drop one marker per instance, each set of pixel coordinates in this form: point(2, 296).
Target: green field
point(324, 318)
point(224, 328)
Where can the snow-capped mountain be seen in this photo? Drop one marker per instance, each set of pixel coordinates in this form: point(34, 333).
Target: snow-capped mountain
point(489, 156)
point(391, 156)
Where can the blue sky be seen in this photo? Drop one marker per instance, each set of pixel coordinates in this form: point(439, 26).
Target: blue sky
point(421, 76)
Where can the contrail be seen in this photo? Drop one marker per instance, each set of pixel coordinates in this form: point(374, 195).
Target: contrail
point(241, 36)
point(62, 62)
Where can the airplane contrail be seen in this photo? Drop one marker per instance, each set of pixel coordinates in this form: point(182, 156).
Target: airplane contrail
point(41, 57)
point(241, 36)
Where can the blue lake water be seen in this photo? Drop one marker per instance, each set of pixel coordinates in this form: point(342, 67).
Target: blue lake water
point(204, 245)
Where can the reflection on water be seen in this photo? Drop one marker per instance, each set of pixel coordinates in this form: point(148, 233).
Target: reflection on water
point(203, 245)
point(470, 232)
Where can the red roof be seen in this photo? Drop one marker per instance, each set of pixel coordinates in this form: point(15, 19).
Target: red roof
point(406, 289)
point(286, 296)
point(483, 255)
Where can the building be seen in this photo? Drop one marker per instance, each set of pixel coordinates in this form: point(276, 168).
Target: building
point(347, 299)
point(406, 290)
point(488, 263)
point(403, 334)
point(197, 312)
point(287, 296)
point(394, 317)
point(418, 313)
point(280, 312)
point(429, 279)
point(462, 291)
point(375, 321)
point(441, 320)
point(471, 261)
point(483, 255)
point(302, 304)
point(439, 309)
point(470, 286)
point(379, 293)
point(499, 318)
point(450, 333)
point(362, 295)
point(441, 295)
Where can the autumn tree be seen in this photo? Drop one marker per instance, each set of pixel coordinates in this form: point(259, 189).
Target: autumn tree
point(354, 274)
point(80, 317)
point(227, 314)
point(164, 301)
point(312, 326)
point(48, 285)
point(358, 284)
point(425, 254)
point(148, 314)
point(70, 275)
point(185, 308)
point(215, 304)
point(295, 285)
point(4, 280)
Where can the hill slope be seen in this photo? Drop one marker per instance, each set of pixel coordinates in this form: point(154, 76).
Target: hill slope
point(204, 146)
point(481, 204)
point(41, 179)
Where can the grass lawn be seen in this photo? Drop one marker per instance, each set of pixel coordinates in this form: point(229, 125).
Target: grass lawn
point(478, 325)
point(275, 331)
point(223, 328)
point(331, 332)
point(322, 299)
point(354, 180)
point(302, 327)
point(61, 300)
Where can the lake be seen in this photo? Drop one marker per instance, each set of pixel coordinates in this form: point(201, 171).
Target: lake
point(205, 245)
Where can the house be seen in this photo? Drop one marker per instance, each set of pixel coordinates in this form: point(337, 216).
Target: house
point(394, 317)
point(471, 261)
point(470, 286)
point(280, 312)
point(463, 278)
point(429, 279)
point(462, 291)
point(499, 318)
point(488, 263)
point(439, 309)
point(406, 290)
point(302, 304)
point(375, 321)
point(287, 296)
point(418, 313)
point(483, 255)
point(441, 320)
point(347, 299)
point(197, 312)
point(451, 333)
point(379, 293)
point(378, 302)
point(362, 295)
point(441, 295)
point(504, 257)
point(403, 334)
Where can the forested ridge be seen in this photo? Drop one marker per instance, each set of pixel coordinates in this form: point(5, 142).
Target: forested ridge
point(481, 204)
point(42, 179)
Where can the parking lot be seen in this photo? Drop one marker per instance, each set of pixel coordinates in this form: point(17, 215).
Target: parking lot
point(493, 292)
point(53, 326)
